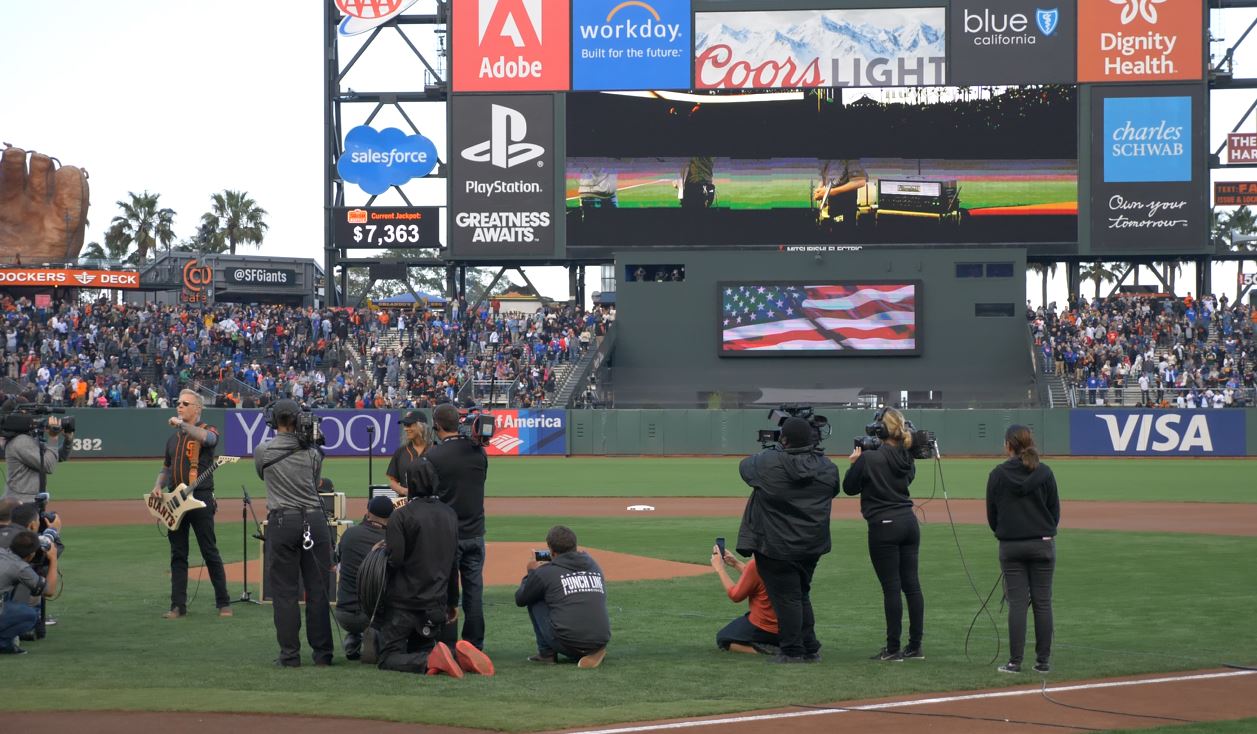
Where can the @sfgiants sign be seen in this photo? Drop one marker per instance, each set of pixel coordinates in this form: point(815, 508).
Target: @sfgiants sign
point(197, 281)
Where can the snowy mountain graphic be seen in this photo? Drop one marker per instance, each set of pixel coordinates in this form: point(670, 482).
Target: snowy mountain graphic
point(825, 34)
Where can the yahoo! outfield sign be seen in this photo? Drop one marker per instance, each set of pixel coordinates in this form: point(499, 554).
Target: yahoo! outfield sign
point(1156, 433)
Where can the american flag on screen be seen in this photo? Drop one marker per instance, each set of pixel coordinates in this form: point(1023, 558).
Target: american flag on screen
point(818, 317)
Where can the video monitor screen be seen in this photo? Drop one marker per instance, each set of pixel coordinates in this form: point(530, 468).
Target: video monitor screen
point(834, 166)
point(828, 318)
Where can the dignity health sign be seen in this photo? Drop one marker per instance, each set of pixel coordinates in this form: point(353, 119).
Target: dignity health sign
point(1157, 432)
point(353, 432)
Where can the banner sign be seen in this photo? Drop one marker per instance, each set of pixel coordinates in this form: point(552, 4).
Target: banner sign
point(502, 181)
point(69, 278)
point(1148, 187)
point(1247, 279)
point(1140, 40)
point(510, 45)
point(1241, 148)
point(890, 47)
point(269, 277)
point(354, 432)
point(1012, 42)
point(1156, 432)
point(391, 227)
point(377, 160)
point(1235, 193)
point(631, 45)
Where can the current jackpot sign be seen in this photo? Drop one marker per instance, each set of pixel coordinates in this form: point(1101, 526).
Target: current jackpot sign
point(396, 228)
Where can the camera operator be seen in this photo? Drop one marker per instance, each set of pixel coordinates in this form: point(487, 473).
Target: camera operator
point(567, 603)
point(29, 459)
point(298, 545)
point(17, 618)
point(881, 478)
point(786, 527)
point(354, 546)
point(462, 468)
point(409, 457)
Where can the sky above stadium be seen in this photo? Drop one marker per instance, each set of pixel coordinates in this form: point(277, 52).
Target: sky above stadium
point(189, 98)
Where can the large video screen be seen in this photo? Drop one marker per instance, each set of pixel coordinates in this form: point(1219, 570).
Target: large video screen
point(833, 166)
point(829, 318)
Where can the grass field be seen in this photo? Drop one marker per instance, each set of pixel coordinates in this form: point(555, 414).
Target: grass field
point(1128, 480)
point(1125, 603)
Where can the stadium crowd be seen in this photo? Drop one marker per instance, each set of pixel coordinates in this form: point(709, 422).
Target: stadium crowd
point(100, 354)
point(1171, 352)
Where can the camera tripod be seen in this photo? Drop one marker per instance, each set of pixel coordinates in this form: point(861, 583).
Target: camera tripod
point(246, 509)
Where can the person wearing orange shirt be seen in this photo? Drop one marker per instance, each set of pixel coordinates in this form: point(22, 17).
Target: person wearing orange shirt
point(755, 631)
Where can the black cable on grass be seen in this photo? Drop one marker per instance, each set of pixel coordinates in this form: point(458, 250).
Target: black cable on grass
point(978, 614)
point(1239, 667)
point(859, 710)
point(1048, 698)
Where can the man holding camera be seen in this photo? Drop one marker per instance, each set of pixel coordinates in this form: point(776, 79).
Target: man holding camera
point(298, 544)
point(786, 527)
point(354, 546)
point(30, 460)
point(189, 455)
point(566, 597)
point(462, 468)
point(17, 618)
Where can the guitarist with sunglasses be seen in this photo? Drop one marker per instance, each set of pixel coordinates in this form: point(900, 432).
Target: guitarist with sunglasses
point(190, 454)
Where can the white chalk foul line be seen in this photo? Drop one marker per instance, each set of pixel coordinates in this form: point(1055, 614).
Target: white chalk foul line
point(914, 702)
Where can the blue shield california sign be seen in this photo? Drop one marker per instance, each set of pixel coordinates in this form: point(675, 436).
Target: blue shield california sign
point(1047, 20)
point(377, 160)
point(619, 45)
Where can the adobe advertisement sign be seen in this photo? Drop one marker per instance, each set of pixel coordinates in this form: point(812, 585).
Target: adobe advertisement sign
point(502, 181)
point(631, 45)
point(1139, 40)
point(1148, 186)
point(1012, 42)
point(69, 278)
point(1156, 433)
point(510, 45)
point(888, 47)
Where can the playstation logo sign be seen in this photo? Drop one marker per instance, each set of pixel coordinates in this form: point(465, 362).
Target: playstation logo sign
point(505, 147)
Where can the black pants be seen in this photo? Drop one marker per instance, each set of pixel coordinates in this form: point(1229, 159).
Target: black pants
point(289, 568)
point(200, 522)
point(894, 546)
point(471, 581)
point(354, 622)
point(404, 646)
point(743, 632)
point(1028, 566)
point(789, 585)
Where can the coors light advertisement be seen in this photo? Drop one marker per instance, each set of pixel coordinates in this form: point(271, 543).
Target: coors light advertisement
point(899, 47)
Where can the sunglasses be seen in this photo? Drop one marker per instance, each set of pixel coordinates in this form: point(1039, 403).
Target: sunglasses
point(184, 403)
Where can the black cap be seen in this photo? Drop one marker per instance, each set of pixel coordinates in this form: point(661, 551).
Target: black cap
point(288, 408)
point(412, 417)
point(380, 507)
point(797, 432)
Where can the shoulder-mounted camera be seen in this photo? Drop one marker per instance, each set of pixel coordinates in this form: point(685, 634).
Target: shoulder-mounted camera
point(476, 424)
point(769, 438)
point(924, 444)
point(32, 419)
point(306, 425)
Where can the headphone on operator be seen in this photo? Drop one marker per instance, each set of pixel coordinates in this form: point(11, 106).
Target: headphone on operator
point(878, 426)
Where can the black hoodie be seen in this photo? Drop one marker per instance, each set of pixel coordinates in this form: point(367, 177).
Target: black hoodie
point(787, 514)
point(881, 478)
point(573, 587)
point(1022, 504)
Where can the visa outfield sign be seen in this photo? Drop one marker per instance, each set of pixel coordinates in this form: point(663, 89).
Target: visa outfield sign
point(631, 45)
point(885, 47)
point(377, 160)
point(1218, 432)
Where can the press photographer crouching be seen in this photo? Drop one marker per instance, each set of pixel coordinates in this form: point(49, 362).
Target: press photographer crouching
point(786, 524)
point(354, 546)
point(298, 544)
point(18, 618)
point(18, 518)
point(882, 466)
point(25, 430)
point(566, 596)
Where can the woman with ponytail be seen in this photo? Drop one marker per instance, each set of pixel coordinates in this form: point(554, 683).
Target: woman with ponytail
point(1023, 509)
point(881, 478)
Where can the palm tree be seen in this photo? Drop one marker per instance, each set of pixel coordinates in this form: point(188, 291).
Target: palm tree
point(143, 224)
point(117, 248)
point(1098, 272)
point(1044, 269)
point(235, 219)
point(1240, 222)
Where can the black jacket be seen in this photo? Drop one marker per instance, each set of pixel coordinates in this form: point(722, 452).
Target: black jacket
point(881, 478)
point(354, 546)
point(787, 514)
point(462, 467)
point(1022, 504)
point(572, 586)
point(422, 539)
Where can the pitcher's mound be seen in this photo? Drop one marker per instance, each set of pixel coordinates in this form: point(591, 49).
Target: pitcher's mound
point(505, 563)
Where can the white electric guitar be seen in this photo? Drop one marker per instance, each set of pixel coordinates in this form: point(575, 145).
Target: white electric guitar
point(170, 507)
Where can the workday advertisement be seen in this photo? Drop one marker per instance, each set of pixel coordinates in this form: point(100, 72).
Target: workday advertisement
point(1218, 432)
point(354, 432)
point(631, 45)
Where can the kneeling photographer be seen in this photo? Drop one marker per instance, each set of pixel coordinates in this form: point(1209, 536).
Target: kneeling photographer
point(882, 467)
point(786, 524)
point(18, 618)
point(29, 459)
point(298, 544)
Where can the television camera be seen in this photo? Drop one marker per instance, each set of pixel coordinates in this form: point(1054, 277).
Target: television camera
point(476, 423)
point(308, 426)
point(769, 438)
point(33, 419)
point(924, 444)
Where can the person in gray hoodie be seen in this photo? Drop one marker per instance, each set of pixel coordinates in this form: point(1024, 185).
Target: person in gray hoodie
point(567, 603)
point(1024, 510)
point(785, 526)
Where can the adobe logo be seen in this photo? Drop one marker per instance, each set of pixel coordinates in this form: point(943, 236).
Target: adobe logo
point(498, 46)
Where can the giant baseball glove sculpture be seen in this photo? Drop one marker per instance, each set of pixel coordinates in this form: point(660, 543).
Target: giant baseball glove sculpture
point(43, 209)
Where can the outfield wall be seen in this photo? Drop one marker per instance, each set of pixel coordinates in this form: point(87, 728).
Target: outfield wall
point(140, 433)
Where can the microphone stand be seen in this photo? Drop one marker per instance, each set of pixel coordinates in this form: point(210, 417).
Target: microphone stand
point(370, 454)
point(246, 508)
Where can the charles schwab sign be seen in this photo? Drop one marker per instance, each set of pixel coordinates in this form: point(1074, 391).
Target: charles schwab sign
point(269, 277)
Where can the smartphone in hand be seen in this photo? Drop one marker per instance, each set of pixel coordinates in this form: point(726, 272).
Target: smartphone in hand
point(541, 556)
point(720, 543)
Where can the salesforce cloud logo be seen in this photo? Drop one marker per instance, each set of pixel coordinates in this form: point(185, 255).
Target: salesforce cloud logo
point(378, 160)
